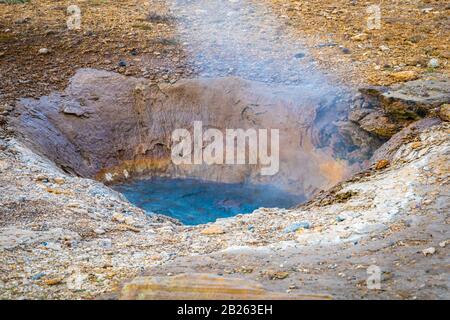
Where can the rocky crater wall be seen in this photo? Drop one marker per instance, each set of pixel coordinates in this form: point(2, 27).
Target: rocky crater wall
point(112, 127)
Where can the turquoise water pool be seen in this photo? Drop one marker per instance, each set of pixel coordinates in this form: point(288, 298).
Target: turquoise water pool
point(195, 201)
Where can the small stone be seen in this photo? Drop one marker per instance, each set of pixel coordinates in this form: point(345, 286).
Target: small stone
point(296, 226)
point(129, 221)
point(277, 275)
point(444, 112)
point(99, 231)
point(38, 276)
point(213, 230)
point(126, 227)
point(404, 76)
point(443, 243)
point(105, 243)
point(41, 177)
point(433, 63)
point(345, 50)
point(300, 55)
point(122, 63)
point(44, 51)
point(118, 217)
point(59, 180)
point(340, 219)
point(53, 281)
point(416, 145)
point(53, 246)
point(4, 165)
point(384, 48)
point(429, 251)
point(381, 164)
point(360, 37)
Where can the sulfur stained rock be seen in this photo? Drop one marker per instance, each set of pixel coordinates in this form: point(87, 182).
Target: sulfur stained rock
point(381, 164)
point(59, 180)
point(202, 287)
point(403, 76)
point(213, 230)
point(53, 281)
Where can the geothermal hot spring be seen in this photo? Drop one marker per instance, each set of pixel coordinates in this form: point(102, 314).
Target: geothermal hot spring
point(252, 74)
point(193, 201)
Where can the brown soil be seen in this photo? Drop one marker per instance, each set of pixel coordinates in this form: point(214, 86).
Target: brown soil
point(136, 32)
point(143, 34)
point(411, 34)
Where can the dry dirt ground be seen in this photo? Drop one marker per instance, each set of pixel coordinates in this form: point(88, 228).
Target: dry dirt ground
point(411, 33)
point(138, 33)
point(103, 240)
point(142, 33)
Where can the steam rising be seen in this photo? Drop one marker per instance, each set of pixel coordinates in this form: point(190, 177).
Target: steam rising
point(244, 38)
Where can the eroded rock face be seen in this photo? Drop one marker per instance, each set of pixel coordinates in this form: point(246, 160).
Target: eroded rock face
point(385, 111)
point(112, 127)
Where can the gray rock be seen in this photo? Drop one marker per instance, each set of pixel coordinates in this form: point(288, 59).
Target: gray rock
point(296, 226)
point(433, 63)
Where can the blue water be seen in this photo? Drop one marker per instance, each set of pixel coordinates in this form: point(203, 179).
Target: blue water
point(195, 201)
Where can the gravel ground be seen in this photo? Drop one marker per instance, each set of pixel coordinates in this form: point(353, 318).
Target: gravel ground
point(66, 237)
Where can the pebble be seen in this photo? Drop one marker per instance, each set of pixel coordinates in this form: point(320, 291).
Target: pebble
point(433, 63)
point(59, 180)
point(99, 231)
point(118, 217)
point(277, 275)
point(53, 282)
point(129, 221)
point(429, 251)
point(38, 276)
point(122, 63)
point(105, 243)
point(360, 37)
point(381, 164)
point(44, 51)
point(298, 225)
point(4, 165)
point(213, 230)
